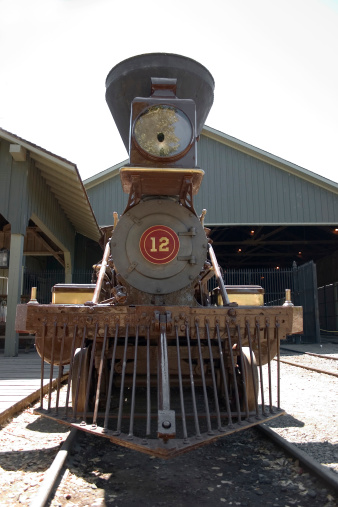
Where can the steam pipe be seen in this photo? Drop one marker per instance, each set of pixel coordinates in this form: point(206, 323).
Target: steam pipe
point(218, 275)
point(102, 272)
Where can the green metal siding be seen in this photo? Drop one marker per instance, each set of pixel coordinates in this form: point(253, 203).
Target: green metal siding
point(43, 204)
point(237, 189)
point(13, 183)
point(23, 192)
point(240, 189)
point(5, 177)
point(107, 197)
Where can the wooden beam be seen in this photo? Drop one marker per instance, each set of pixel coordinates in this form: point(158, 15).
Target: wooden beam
point(18, 152)
point(32, 253)
point(49, 248)
point(14, 293)
point(251, 242)
point(258, 254)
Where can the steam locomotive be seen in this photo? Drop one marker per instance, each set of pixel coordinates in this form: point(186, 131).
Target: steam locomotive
point(157, 361)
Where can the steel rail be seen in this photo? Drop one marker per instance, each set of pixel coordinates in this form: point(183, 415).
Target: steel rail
point(52, 474)
point(316, 370)
point(327, 475)
point(321, 355)
point(311, 354)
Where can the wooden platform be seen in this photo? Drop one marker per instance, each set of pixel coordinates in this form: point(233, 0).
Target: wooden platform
point(20, 382)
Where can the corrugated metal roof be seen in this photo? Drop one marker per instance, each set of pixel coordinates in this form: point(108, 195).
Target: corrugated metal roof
point(242, 185)
point(64, 181)
point(240, 146)
point(285, 165)
point(242, 189)
point(103, 176)
point(106, 194)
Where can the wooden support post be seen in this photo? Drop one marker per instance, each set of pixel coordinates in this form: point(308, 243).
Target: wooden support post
point(14, 293)
point(68, 267)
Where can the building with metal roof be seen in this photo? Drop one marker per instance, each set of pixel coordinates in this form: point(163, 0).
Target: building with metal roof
point(263, 213)
point(43, 206)
point(262, 210)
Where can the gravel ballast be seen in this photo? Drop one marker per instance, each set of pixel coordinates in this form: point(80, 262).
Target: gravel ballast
point(241, 469)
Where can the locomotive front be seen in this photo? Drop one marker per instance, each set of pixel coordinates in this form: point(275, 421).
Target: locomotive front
point(155, 362)
point(159, 245)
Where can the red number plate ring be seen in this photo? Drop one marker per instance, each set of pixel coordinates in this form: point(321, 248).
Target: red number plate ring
point(159, 244)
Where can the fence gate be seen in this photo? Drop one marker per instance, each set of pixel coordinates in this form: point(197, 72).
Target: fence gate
point(306, 295)
point(328, 309)
point(302, 280)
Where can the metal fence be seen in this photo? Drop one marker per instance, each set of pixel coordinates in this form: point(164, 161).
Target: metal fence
point(273, 281)
point(328, 309)
point(44, 281)
point(301, 280)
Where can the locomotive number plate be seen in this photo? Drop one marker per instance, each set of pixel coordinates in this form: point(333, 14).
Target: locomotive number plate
point(159, 244)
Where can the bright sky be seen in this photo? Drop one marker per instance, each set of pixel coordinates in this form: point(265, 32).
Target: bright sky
point(275, 64)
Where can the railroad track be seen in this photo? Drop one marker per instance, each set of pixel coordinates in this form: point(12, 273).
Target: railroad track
point(329, 363)
point(85, 462)
point(218, 471)
point(245, 467)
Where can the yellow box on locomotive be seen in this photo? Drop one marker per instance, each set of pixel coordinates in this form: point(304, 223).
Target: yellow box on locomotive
point(72, 294)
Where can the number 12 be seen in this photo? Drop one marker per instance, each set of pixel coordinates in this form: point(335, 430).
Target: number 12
point(163, 244)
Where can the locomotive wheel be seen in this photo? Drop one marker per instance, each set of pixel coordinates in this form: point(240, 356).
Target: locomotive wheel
point(251, 379)
point(85, 354)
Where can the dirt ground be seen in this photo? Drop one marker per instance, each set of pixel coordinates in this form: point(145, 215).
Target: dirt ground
point(242, 469)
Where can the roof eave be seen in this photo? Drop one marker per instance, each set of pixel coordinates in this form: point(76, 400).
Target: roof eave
point(105, 175)
point(92, 230)
point(270, 159)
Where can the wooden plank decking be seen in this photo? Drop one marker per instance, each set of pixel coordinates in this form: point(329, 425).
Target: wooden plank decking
point(20, 382)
